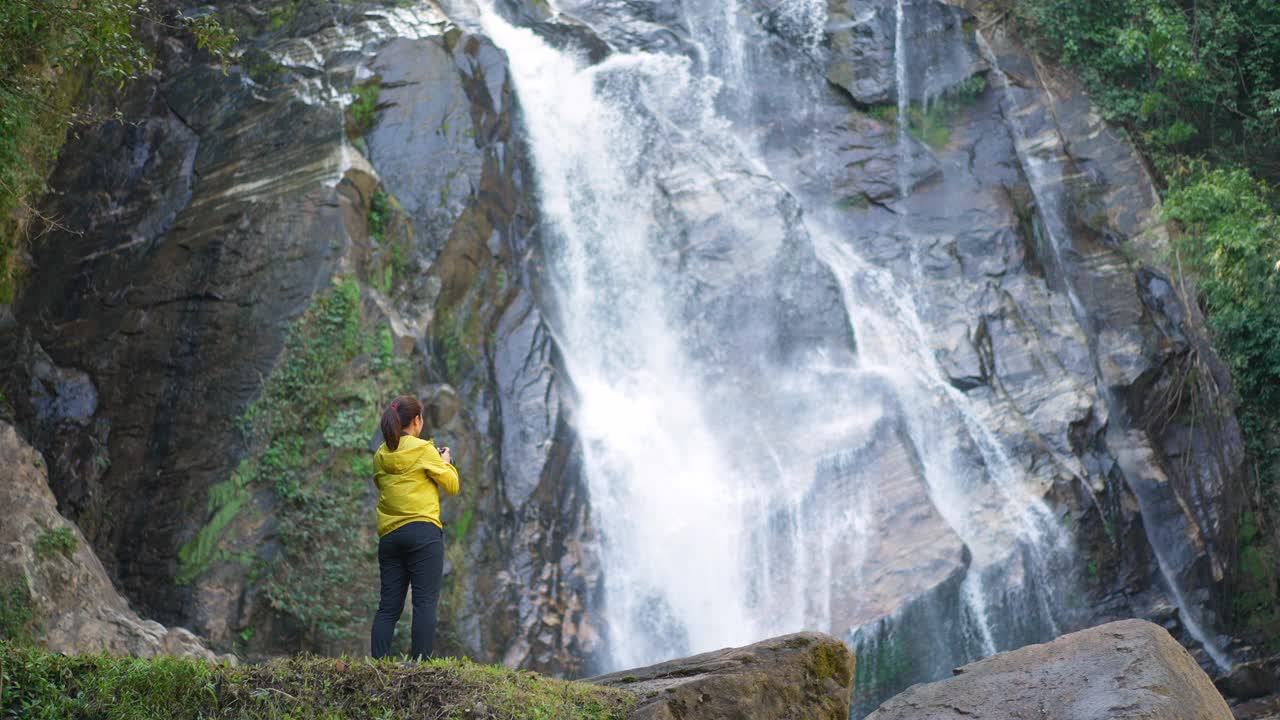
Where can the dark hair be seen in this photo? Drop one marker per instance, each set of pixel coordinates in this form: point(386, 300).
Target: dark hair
point(399, 414)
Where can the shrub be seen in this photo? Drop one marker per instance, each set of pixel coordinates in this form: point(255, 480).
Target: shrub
point(56, 541)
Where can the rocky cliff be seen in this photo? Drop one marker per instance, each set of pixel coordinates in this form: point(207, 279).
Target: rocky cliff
point(53, 586)
point(250, 266)
point(242, 274)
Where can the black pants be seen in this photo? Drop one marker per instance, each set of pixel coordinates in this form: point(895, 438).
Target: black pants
point(412, 554)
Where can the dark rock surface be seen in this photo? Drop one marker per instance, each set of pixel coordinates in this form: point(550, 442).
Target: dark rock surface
point(802, 676)
point(1126, 669)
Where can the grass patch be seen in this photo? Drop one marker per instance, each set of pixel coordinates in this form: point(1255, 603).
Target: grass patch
point(40, 685)
point(56, 541)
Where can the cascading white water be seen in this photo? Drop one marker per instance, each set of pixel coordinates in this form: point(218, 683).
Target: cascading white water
point(710, 532)
point(669, 504)
point(904, 97)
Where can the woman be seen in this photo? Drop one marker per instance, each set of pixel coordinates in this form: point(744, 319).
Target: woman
point(409, 473)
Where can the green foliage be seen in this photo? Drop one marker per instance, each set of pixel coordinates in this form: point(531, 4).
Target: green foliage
point(350, 428)
point(56, 541)
point(1186, 76)
point(43, 686)
point(389, 228)
point(1254, 605)
point(932, 123)
point(16, 615)
point(282, 14)
point(454, 341)
point(380, 209)
point(363, 108)
point(225, 502)
point(311, 428)
point(1232, 241)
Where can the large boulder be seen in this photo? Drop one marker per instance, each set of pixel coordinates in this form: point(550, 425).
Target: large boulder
point(805, 675)
point(1126, 669)
point(46, 559)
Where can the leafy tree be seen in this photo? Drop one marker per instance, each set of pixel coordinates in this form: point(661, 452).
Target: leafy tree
point(1186, 76)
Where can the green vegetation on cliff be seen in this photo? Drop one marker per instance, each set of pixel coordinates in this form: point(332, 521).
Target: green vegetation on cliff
point(309, 439)
point(1185, 76)
point(1232, 242)
point(17, 618)
point(38, 685)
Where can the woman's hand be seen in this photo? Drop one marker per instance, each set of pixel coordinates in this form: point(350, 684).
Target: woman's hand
point(446, 455)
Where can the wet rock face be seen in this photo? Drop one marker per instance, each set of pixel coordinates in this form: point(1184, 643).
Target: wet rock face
point(1126, 669)
point(805, 675)
point(48, 562)
point(525, 572)
point(862, 38)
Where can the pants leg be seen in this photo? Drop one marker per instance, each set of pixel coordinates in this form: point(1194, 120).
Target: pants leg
point(395, 582)
point(425, 563)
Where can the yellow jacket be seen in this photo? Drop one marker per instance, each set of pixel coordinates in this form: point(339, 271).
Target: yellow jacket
point(407, 479)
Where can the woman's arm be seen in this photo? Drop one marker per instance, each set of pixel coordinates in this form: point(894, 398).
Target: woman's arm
point(443, 474)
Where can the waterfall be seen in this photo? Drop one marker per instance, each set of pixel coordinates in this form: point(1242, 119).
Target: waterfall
point(741, 471)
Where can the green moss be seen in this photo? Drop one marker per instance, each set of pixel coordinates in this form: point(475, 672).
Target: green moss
point(16, 615)
point(281, 15)
point(261, 67)
point(42, 685)
point(828, 661)
point(363, 108)
point(56, 541)
point(880, 665)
